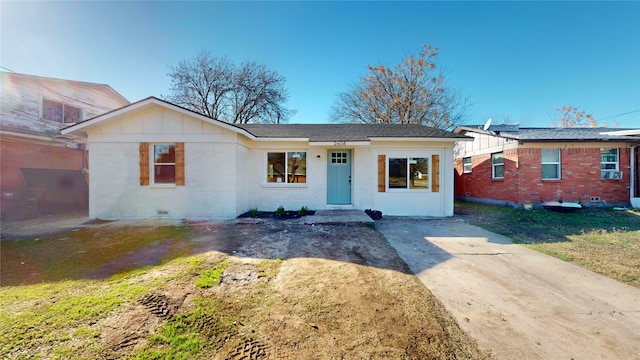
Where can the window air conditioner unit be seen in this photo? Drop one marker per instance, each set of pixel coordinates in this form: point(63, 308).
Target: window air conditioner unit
point(611, 175)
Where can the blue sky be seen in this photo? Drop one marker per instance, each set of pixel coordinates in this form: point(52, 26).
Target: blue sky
point(516, 59)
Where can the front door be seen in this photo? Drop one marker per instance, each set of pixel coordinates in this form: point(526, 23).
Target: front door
point(339, 177)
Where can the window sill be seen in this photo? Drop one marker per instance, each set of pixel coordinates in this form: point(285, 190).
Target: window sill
point(497, 179)
point(551, 180)
point(162, 186)
point(284, 185)
point(396, 190)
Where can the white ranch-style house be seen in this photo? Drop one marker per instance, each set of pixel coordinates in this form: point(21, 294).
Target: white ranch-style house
point(154, 159)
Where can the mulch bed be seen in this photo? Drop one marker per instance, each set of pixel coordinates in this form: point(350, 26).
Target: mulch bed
point(280, 215)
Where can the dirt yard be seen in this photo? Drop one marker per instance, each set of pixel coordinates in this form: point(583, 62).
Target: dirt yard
point(338, 292)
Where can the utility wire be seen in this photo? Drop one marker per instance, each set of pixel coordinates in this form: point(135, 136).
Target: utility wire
point(2, 67)
point(615, 116)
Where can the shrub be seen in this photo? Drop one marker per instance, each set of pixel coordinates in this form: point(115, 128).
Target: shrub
point(255, 212)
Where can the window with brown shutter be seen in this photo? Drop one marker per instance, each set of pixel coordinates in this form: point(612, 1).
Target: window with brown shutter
point(165, 167)
point(179, 164)
point(144, 164)
point(435, 173)
point(382, 162)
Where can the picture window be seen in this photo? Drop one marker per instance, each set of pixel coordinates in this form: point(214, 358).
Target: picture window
point(287, 167)
point(408, 173)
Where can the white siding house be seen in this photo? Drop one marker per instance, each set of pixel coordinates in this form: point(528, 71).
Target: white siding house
point(153, 159)
point(42, 171)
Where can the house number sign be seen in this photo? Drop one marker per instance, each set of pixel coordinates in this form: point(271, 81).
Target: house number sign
point(340, 143)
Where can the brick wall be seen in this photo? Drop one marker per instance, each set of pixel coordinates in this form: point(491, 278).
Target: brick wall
point(580, 178)
point(15, 155)
point(17, 202)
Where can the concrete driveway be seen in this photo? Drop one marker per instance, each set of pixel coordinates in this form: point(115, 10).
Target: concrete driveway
point(518, 303)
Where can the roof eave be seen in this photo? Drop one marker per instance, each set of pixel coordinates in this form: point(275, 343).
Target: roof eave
point(340, 143)
point(579, 140)
point(280, 139)
point(421, 139)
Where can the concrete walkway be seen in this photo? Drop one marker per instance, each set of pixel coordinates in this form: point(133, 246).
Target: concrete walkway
point(518, 303)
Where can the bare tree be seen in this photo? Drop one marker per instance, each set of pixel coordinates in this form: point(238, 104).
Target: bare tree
point(570, 116)
point(411, 92)
point(215, 87)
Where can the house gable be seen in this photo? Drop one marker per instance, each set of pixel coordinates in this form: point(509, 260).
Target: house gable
point(156, 120)
point(152, 118)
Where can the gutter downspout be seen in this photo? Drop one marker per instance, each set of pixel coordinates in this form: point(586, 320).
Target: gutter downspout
point(634, 198)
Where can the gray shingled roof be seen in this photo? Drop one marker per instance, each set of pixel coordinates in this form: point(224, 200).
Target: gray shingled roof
point(551, 134)
point(346, 132)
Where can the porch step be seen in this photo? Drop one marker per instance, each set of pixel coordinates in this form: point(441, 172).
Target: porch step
point(338, 217)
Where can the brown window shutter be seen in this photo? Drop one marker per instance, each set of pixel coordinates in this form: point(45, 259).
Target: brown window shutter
point(180, 164)
point(144, 164)
point(382, 164)
point(435, 173)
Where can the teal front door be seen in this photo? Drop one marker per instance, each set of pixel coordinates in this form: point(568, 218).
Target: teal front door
point(339, 177)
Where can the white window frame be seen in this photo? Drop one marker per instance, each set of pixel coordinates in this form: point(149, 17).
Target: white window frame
point(616, 163)
point(153, 163)
point(64, 105)
point(604, 163)
point(467, 168)
point(556, 163)
point(286, 170)
point(408, 172)
point(494, 165)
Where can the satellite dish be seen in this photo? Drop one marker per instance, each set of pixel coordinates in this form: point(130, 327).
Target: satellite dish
point(486, 125)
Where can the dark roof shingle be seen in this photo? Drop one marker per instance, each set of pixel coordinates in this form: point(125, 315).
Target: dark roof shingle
point(346, 132)
point(552, 134)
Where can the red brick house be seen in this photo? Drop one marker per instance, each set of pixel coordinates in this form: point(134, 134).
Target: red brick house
point(43, 172)
point(510, 165)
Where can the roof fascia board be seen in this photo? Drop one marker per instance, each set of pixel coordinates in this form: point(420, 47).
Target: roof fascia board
point(27, 136)
point(420, 139)
point(579, 140)
point(622, 132)
point(340, 143)
point(278, 139)
point(44, 140)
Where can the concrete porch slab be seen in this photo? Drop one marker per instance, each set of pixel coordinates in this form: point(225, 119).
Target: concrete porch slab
point(338, 217)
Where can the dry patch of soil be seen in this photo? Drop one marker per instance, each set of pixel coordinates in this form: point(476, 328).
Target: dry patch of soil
point(339, 291)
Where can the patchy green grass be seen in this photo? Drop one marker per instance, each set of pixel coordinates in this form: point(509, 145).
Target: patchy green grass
point(180, 337)
point(57, 315)
point(211, 277)
point(61, 319)
point(90, 253)
point(603, 240)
